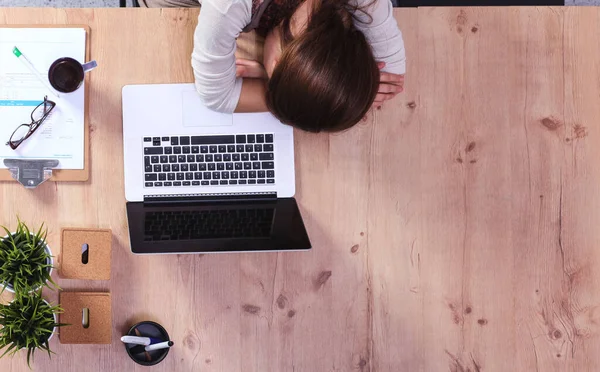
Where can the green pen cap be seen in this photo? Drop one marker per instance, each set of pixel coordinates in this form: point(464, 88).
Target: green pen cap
point(16, 52)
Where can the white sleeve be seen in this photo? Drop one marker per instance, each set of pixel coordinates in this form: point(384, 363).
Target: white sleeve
point(383, 34)
point(213, 59)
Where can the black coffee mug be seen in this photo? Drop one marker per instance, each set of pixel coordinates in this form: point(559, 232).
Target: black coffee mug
point(66, 74)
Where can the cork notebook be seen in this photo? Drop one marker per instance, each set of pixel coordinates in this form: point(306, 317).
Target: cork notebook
point(89, 316)
point(85, 253)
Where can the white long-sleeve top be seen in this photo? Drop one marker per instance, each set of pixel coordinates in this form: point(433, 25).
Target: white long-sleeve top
point(221, 21)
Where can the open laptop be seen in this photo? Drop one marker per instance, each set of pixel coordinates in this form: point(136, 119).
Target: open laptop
point(197, 181)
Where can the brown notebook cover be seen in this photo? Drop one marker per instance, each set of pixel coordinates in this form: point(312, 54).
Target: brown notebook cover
point(99, 327)
point(96, 264)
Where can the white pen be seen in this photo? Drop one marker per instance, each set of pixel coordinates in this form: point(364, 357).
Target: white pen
point(140, 340)
point(32, 68)
point(162, 345)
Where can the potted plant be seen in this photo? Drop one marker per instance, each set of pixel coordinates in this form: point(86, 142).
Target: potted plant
point(25, 259)
point(28, 322)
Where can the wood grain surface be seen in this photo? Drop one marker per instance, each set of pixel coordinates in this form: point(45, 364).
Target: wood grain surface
point(453, 230)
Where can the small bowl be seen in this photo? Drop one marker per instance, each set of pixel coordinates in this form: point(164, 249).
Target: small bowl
point(55, 321)
point(148, 329)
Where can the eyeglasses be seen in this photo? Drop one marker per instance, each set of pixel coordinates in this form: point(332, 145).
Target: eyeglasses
point(24, 131)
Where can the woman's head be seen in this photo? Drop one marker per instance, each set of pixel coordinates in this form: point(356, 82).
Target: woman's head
point(322, 73)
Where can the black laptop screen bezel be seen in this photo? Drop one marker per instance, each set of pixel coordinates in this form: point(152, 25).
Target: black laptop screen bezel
point(288, 231)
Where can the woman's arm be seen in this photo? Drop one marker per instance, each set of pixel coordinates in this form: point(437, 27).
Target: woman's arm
point(252, 98)
point(213, 59)
point(254, 86)
point(383, 34)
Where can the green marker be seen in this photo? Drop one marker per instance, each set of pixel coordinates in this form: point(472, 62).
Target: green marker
point(32, 68)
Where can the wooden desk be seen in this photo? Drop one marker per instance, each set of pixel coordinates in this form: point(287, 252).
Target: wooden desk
point(456, 229)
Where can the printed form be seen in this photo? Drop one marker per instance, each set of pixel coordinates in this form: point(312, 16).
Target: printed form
point(61, 136)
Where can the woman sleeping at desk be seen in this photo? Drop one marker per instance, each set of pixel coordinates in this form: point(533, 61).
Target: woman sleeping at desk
point(326, 62)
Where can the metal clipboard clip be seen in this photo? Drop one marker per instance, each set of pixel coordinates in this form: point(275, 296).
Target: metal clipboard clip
point(31, 173)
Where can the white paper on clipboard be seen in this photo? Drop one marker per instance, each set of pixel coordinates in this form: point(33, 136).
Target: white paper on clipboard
point(61, 136)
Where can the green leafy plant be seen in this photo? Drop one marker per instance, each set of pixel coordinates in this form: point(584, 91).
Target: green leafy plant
point(24, 261)
point(27, 323)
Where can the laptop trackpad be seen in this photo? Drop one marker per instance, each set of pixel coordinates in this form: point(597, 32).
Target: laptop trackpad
point(195, 114)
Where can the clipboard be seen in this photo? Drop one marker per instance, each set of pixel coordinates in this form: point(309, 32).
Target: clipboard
point(67, 175)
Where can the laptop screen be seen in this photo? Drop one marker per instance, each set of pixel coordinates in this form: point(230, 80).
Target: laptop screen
point(228, 222)
point(201, 227)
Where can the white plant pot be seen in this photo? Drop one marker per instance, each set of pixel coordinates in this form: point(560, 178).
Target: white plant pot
point(9, 288)
point(55, 321)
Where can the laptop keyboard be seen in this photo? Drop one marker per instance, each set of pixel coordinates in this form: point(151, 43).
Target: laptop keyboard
point(219, 160)
point(208, 224)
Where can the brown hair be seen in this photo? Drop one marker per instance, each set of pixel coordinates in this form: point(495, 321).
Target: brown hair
point(327, 77)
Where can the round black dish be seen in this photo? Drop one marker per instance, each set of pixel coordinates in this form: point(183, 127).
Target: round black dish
point(66, 75)
point(148, 329)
